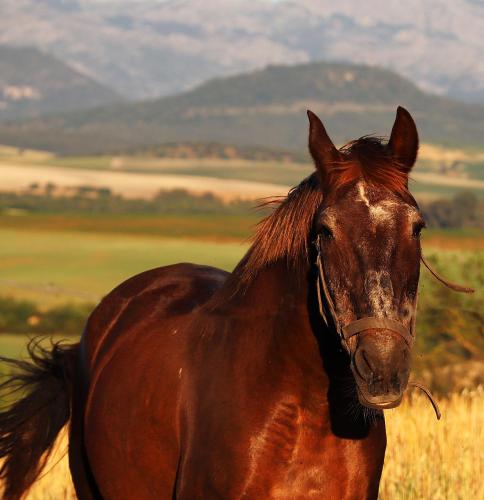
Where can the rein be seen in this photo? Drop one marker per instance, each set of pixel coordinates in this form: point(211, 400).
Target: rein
point(355, 327)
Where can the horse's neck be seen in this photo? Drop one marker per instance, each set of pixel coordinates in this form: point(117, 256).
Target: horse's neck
point(278, 316)
point(277, 298)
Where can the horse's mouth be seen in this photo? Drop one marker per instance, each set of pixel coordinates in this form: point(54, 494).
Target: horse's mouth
point(380, 402)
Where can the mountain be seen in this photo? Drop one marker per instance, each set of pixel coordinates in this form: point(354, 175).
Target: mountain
point(262, 108)
point(33, 83)
point(149, 48)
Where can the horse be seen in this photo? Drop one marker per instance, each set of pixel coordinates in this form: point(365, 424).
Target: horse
point(268, 382)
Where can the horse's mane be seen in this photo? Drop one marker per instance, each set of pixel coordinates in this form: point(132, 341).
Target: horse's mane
point(284, 234)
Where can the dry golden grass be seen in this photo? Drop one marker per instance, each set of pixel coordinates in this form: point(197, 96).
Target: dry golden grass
point(55, 481)
point(430, 459)
point(435, 153)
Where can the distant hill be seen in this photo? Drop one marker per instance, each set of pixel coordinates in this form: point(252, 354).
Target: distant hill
point(33, 83)
point(264, 108)
point(149, 48)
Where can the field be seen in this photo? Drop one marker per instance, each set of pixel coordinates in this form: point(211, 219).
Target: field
point(440, 172)
point(435, 460)
point(59, 258)
point(52, 267)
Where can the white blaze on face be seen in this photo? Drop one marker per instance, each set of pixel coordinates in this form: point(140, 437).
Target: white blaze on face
point(378, 283)
point(381, 212)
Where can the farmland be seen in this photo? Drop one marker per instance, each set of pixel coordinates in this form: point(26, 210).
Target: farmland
point(440, 172)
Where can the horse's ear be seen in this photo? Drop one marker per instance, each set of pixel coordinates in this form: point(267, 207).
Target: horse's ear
point(322, 149)
point(403, 141)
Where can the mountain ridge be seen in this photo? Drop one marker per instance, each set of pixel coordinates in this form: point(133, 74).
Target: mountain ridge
point(148, 49)
point(33, 83)
point(261, 108)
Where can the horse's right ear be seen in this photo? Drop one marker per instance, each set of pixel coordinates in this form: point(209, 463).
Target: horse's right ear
point(322, 149)
point(403, 141)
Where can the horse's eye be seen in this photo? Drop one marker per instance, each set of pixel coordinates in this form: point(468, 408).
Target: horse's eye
point(417, 229)
point(326, 233)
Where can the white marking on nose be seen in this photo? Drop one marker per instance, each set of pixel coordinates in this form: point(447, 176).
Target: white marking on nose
point(180, 372)
point(380, 297)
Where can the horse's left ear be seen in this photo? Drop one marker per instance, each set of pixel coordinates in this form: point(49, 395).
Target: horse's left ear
point(403, 141)
point(322, 149)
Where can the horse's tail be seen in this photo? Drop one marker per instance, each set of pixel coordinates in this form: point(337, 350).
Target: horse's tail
point(35, 405)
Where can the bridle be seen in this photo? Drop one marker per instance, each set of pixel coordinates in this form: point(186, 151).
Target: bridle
point(345, 332)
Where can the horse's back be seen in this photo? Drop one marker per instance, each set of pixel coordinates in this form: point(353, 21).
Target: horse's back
point(134, 353)
point(153, 296)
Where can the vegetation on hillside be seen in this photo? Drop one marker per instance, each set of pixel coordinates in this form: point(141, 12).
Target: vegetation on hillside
point(463, 210)
point(88, 200)
point(263, 108)
point(34, 83)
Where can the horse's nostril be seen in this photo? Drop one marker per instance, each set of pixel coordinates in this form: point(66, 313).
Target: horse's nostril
point(365, 359)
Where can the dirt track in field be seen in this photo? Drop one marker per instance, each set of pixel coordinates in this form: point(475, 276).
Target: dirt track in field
point(16, 177)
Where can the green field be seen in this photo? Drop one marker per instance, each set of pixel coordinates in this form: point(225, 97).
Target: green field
point(58, 266)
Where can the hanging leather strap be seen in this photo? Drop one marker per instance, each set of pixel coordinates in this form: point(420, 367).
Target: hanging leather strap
point(326, 303)
point(448, 284)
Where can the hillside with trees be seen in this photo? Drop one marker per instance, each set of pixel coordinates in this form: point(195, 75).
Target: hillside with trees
point(33, 83)
point(265, 108)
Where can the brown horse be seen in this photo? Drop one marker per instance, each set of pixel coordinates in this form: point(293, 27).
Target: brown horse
point(269, 382)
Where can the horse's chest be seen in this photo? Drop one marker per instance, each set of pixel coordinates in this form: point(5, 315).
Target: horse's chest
point(297, 456)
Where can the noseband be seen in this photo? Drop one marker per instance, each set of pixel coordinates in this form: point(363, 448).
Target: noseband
point(345, 332)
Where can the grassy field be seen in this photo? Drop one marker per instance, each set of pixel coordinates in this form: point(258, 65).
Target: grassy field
point(58, 259)
point(437, 460)
point(61, 266)
point(53, 259)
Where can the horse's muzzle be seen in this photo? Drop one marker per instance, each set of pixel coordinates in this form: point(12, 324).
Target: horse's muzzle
point(381, 367)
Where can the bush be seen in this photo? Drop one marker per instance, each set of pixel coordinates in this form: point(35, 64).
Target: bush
point(15, 315)
point(26, 317)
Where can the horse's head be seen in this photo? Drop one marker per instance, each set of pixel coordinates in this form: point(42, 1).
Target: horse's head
point(367, 234)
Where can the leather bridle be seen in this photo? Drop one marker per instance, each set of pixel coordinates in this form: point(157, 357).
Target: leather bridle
point(345, 332)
